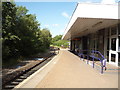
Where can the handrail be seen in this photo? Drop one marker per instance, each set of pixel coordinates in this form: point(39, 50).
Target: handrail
point(103, 60)
point(93, 51)
point(99, 53)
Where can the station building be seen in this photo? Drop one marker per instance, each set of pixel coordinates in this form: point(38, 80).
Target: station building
point(95, 27)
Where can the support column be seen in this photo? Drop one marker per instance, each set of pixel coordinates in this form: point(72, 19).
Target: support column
point(70, 45)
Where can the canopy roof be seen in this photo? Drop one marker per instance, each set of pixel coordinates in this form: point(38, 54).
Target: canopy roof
point(88, 18)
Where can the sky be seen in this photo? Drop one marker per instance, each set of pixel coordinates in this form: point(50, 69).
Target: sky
point(55, 15)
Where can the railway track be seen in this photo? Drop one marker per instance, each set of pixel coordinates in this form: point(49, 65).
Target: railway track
point(26, 73)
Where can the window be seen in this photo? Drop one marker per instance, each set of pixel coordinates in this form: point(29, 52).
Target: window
point(107, 56)
point(119, 29)
point(118, 59)
point(97, 44)
point(113, 44)
point(107, 32)
point(108, 44)
point(119, 43)
point(114, 30)
point(113, 57)
point(94, 45)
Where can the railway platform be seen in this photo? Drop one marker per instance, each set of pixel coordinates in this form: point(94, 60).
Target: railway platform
point(66, 70)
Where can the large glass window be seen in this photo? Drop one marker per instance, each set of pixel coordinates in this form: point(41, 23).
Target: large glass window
point(97, 44)
point(119, 43)
point(114, 30)
point(94, 44)
point(113, 57)
point(118, 59)
point(107, 56)
point(119, 29)
point(113, 44)
point(108, 44)
point(91, 42)
point(107, 32)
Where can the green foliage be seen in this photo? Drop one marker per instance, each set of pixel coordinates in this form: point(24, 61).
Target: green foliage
point(58, 42)
point(22, 36)
point(8, 28)
point(56, 38)
point(46, 37)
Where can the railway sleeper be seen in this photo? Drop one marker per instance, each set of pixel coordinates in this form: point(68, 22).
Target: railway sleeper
point(18, 80)
point(9, 86)
point(23, 77)
point(14, 83)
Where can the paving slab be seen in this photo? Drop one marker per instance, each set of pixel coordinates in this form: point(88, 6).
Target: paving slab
point(71, 72)
point(66, 70)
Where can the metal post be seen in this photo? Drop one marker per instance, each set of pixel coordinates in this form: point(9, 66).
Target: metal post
point(93, 62)
point(83, 57)
point(87, 60)
point(102, 67)
point(102, 70)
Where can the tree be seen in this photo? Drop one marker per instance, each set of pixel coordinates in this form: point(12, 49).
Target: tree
point(46, 37)
point(27, 27)
point(56, 38)
point(22, 36)
point(9, 39)
point(58, 42)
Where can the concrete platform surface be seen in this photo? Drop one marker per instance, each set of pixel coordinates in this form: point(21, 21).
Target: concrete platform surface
point(66, 70)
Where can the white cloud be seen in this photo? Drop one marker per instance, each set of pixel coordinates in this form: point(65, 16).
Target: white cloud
point(51, 25)
point(108, 1)
point(46, 25)
point(88, 2)
point(55, 25)
point(62, 30)
point(65, 15)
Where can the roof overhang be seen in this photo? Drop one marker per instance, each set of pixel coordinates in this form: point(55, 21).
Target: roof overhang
point(88, 18)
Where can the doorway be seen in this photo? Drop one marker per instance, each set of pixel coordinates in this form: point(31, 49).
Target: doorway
point(113, 52)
